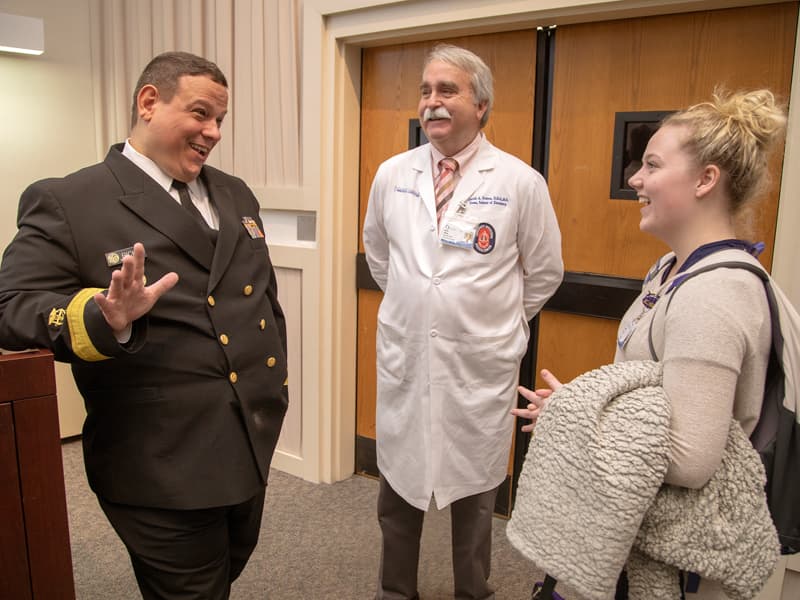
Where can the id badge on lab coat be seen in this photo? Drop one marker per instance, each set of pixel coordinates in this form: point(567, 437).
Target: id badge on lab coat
point(458, 231)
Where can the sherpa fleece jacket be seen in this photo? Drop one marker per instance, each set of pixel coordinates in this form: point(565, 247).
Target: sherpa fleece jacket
point(591, 494)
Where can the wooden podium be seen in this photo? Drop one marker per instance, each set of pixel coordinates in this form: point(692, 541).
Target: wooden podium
point(35, 558)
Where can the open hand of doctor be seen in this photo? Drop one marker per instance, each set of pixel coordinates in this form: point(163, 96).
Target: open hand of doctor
point(537, 399)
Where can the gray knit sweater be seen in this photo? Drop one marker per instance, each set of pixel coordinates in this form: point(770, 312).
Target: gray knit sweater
point(713, 343)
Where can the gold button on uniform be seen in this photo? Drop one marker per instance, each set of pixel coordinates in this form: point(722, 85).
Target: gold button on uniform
point(211, 301)
point(262, 324)
point(223, 339)
point(248, 289)
point(271, 361)
point(233, 377)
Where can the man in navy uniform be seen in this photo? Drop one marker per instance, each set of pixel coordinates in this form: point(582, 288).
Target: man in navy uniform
point(150, 274)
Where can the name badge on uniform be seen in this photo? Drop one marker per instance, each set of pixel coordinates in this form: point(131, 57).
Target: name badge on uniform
point(114, 258)
point(252, 228)
point(458, 231)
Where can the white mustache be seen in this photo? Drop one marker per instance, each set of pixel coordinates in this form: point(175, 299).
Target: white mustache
point(440, 112)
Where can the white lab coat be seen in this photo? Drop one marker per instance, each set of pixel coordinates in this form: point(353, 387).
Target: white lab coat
point(452, 326)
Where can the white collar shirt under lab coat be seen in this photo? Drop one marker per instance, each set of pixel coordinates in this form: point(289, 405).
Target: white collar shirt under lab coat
point(452, 326)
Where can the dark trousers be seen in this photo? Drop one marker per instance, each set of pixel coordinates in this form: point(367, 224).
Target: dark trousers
point(401, 526)
point(183, 554)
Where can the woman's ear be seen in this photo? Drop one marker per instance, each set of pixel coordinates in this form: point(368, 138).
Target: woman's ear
point(708, 180)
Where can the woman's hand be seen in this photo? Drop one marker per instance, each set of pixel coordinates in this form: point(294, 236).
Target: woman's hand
point(537, 399)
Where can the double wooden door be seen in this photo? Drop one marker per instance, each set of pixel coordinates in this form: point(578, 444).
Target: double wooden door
point(557, 94)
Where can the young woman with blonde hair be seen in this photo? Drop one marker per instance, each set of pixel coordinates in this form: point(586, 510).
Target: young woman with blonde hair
point(699, 169)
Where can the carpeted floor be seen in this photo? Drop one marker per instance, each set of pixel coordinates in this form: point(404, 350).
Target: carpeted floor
point(318, 542)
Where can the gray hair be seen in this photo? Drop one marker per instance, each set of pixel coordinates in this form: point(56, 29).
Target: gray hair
point(473, 65)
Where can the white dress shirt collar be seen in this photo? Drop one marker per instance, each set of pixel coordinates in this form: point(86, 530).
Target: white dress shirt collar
point(154, 171)
point(463, 157)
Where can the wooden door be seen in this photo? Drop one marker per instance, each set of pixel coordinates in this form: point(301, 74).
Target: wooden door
point(593, 71)
point(390, 94)
point(648, 64)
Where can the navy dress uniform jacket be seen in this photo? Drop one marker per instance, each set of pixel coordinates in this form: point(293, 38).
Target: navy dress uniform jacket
point(187, 413)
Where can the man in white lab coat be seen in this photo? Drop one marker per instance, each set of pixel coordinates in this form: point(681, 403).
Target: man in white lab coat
point(459, 289)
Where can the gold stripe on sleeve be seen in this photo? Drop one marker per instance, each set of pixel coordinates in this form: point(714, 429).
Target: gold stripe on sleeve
point(81, 342)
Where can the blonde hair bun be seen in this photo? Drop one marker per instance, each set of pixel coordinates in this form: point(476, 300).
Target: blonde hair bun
point(756, 113)
point(735, 131)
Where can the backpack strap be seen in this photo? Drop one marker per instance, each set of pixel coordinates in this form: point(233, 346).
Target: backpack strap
point(733, 264)
point(776, 436)
point(767, 426)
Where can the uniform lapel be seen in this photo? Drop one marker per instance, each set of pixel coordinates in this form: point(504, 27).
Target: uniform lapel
point(145, 198)
point(228, 226)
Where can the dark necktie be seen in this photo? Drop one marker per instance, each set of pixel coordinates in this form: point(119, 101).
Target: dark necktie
point(186, 201)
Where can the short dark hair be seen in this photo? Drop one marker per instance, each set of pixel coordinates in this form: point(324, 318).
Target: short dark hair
point(167, 68)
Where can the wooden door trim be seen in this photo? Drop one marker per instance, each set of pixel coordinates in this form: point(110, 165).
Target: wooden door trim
point(364, 280)
point(592, 295)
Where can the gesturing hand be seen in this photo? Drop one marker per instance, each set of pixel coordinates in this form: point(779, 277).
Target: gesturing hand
point(128, 297)
point(538, 400)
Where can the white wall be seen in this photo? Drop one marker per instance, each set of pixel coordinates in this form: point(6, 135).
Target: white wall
point(48, 129)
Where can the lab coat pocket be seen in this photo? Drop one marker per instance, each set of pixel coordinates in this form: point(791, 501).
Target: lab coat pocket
point(486, 371)
point(489, 361)
point(398, 355)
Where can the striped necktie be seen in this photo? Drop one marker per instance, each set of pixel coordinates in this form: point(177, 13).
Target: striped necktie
point(444, 185)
